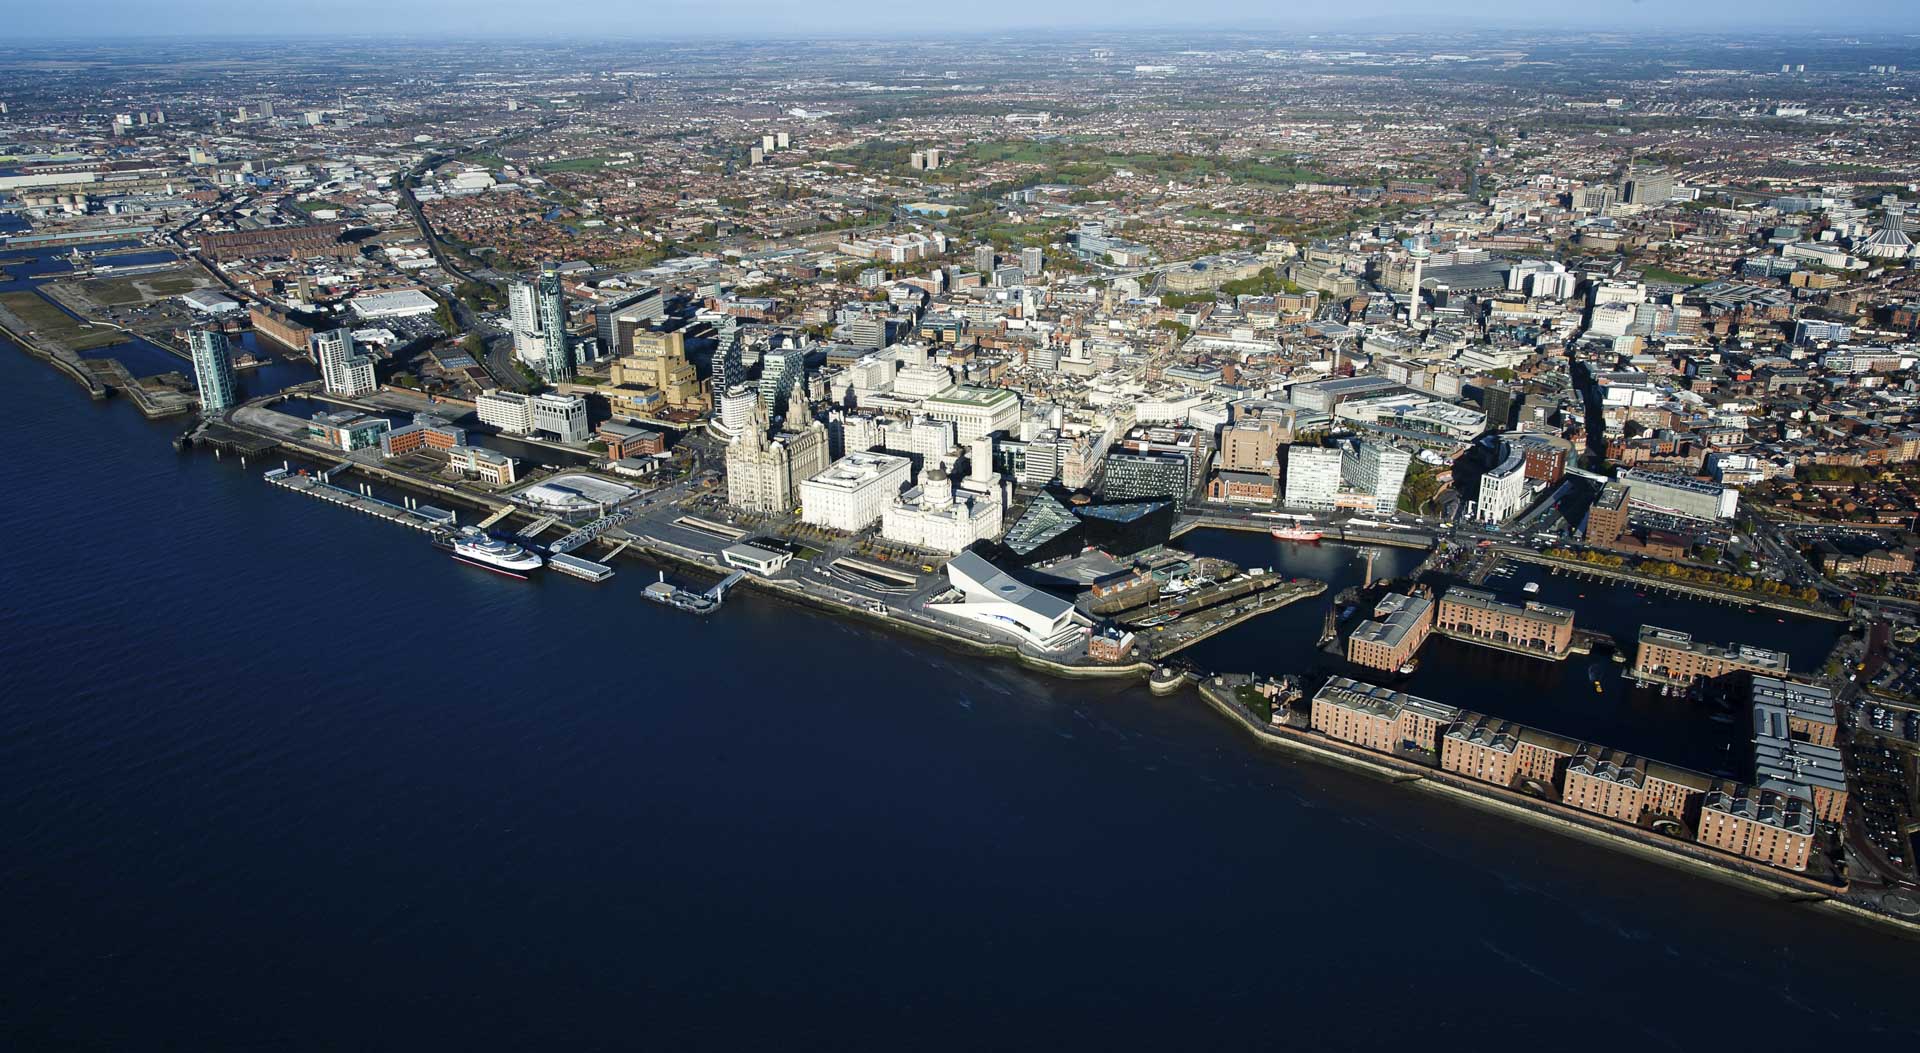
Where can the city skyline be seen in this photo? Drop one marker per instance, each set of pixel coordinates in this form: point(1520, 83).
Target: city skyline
point(595, 533)
point(761, 19)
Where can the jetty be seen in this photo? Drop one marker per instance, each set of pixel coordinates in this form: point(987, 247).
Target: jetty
point(412, 515)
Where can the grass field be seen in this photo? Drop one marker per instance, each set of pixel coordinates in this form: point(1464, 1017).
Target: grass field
point(140, 288)
point(1661, 274)
point(51, 322)
point(575, 164)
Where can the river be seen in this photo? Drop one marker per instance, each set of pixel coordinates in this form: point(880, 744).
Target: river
point(275, 775)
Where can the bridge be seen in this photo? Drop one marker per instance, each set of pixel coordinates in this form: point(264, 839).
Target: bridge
point(587, 533)
point(719, 591)
point(539, 526)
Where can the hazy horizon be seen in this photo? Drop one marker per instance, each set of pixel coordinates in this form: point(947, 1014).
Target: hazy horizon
point(108, 20)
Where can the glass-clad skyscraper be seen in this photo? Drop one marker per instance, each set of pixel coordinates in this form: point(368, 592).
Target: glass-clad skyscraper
point(551, 302)
point(212, 369)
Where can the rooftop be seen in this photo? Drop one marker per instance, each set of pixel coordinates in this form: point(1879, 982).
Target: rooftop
point(1486, 601)
point(1394, 617)
point(1378, 701)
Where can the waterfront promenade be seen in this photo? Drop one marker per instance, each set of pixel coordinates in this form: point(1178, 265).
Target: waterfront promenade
point(842, 597)
point(1219, 692)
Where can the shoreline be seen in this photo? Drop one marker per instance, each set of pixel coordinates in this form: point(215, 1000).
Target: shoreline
point(1541, 814)
point(794, 594)
point(96, 389)
point(650, 549)
point(1683, 587)
point(1548, 815)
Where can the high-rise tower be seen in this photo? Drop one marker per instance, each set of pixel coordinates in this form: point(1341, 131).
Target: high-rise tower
point(343, 371)
point(550, 303)
point(1420, 254)
point(212, 369)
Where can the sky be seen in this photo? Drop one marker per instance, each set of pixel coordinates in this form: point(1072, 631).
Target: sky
point(668, 19)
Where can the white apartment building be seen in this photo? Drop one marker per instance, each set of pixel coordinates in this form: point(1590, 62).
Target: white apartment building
point(509, 411)
point(922, 381)
point(1313, 477)
point(928, 439)
point(1377, 469)
point(564, 416)
point(343, 371)
point(855, 491)
point(523, 321)
point(1503, 490)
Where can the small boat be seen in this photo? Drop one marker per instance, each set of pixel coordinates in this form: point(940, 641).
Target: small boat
point(1530, 587)
point(1408, 667)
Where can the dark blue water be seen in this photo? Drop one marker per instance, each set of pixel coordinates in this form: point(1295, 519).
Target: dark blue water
point(138, 259)
point(275, 775)
point(141, 357)
point(1560, 697)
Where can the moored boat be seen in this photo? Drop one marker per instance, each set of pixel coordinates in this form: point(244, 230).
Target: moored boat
point(478, 548)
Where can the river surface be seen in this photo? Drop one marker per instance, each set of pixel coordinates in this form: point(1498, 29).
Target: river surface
point(275, 775)
point(1584, 697)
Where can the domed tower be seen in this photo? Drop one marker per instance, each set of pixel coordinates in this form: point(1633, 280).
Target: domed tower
point(936, 489)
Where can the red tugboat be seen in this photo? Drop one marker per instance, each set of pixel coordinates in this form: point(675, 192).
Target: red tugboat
point(1306, 535)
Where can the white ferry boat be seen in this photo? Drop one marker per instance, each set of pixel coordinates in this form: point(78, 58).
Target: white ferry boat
point(480, 549)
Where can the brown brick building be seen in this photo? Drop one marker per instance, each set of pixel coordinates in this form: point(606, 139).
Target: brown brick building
point(1481, 747)
point(281, 329)
point(1607, 518)
point(296, 242)
point(1628, 788)
point(1477, 615)
point(1500, 751)
point(1545, 461)
point(1795, 727)
point(1389, 639)
point(1669, 656)
point(1242, 488)
point(1378, 718)
point(1765, 825)
point(1254, 445)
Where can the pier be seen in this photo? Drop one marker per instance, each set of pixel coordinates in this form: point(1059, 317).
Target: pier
point(580, 568)
point(414, 516)
point(1171, 638)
